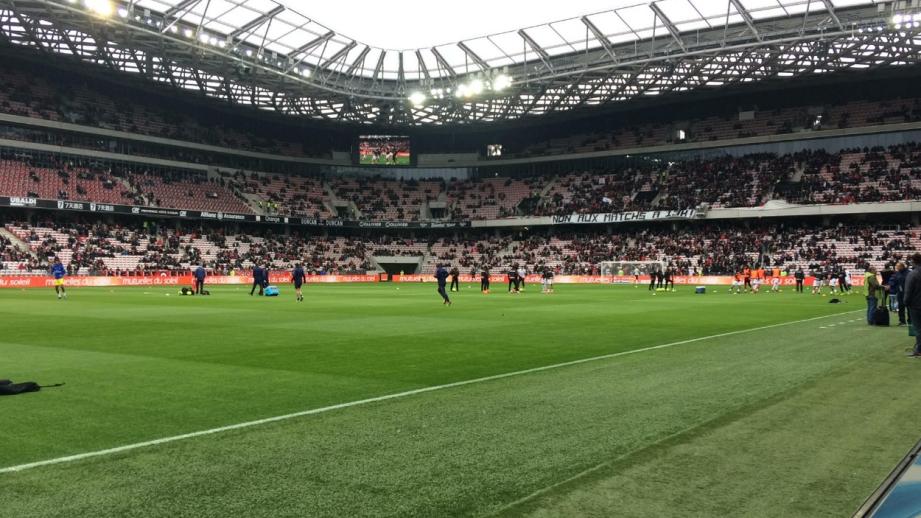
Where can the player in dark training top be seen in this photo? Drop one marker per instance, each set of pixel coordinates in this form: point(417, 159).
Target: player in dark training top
point(442, 275)
point(297, 277)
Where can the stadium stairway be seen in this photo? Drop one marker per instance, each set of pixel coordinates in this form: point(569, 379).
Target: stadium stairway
point(16, 241)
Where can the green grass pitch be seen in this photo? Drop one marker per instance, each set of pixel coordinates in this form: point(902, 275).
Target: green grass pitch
point(802, 417)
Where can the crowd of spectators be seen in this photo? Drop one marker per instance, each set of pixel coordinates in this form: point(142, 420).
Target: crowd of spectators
point(807, 177)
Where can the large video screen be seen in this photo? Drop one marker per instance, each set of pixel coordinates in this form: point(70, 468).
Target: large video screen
point(383, 150)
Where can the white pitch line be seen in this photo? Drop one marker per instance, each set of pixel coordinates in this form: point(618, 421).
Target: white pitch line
point(387, 397)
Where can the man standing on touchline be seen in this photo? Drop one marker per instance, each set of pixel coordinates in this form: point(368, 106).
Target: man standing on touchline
point(912, 299)
point(200, 275)
point(873, 289)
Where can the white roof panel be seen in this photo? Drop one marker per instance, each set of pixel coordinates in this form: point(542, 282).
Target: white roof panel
point(409, 24)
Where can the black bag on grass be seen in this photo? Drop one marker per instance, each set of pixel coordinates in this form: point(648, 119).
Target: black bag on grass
point(8, 388)
point(881, 317)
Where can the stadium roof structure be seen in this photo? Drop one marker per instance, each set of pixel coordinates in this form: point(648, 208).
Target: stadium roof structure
point(265, 54)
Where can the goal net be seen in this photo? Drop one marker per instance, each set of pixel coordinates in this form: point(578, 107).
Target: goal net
point(630, 268)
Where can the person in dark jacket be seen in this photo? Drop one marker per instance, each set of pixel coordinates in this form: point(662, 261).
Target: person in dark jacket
point(441, 274)
point(513, 279)
point(455, 276)
point(200, 275)
point(258, 279)
point(912, 299)
point(297, 277)
point(873, 291)
point(897, 290)
point(800, 277)
point(484, 280)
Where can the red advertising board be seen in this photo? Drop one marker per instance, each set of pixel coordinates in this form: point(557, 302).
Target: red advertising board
point(86, 281)
point(285, 278)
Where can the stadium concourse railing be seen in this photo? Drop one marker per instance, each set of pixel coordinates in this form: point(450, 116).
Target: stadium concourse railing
point(185, 279)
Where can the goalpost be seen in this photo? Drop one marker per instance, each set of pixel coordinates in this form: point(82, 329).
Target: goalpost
point(630, 268)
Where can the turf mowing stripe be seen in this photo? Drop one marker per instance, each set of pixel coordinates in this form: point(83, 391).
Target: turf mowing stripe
point(376, 399)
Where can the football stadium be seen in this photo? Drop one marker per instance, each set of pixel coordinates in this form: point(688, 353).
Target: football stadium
point(639, 258)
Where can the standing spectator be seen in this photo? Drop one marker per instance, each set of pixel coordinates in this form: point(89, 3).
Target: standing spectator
point(200, 280)
point(897, 290)
point(873, 289)
point(886, 275)
point(912, 299)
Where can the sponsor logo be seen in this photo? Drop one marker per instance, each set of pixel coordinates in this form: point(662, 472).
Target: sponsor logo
point(102, 207)
point(182, 213)
point(370, 224)
point(272, 219)
point(396, 224)
point(71, 205)
point(19, 201)
point(135, 210)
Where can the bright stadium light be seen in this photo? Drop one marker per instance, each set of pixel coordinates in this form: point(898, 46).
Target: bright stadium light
point(187, 33)
point(173, 29)
point(102, 8)
point(122, 12)
point(203, 38)
point(475, 87)
point(417, 98)
point(501, 82)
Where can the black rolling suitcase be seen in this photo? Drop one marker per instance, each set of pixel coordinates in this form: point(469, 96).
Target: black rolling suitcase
point(881, 317)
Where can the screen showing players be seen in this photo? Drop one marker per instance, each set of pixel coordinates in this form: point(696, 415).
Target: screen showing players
point(383, 150)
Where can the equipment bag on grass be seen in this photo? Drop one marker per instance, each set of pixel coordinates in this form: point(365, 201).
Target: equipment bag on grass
point(881, 317)
point(8, 388)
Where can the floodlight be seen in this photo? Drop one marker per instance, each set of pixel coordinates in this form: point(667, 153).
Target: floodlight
point(173, 29)
point(501, 82)
point(203, 38)
point(475, 87)
point(187, 32)
point(417, 98)
point(102, 8)
point(122, 12)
